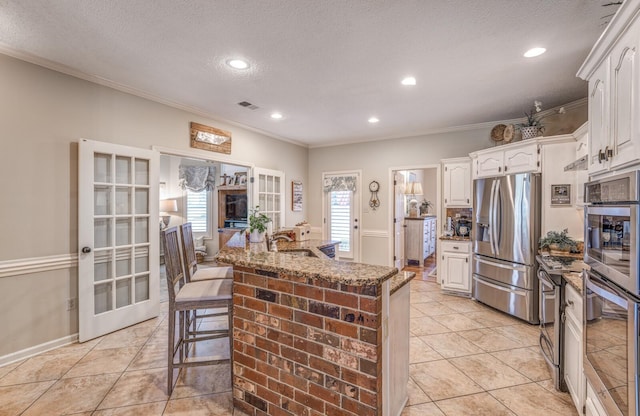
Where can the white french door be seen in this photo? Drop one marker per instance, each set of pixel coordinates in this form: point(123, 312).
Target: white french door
point(269, 194)
point(118, 234)
point(341, 212)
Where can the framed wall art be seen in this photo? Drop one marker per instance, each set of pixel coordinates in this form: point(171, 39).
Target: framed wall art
point(561, 194)
point(296, 195)
point(209, 138)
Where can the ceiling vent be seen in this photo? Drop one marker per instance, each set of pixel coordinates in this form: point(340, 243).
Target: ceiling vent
point(248, 105)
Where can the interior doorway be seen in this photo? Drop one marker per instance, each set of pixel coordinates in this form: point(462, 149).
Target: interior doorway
point(415, 218)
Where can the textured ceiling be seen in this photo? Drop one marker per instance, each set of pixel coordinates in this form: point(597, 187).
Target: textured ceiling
point(327, 65)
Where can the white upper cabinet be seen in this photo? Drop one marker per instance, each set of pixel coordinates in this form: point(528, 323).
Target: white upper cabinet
point(624, 97)
point(489, 164)
point(522, 159)
point(598, 116)
point(457, 183)
point(614, 89)
point(517, 157)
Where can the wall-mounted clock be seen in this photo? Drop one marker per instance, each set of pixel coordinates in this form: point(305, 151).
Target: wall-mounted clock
point(374, 202)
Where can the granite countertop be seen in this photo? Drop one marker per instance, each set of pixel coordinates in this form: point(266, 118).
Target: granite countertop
point(400, 279)
point(574, 279)
point(320, 267)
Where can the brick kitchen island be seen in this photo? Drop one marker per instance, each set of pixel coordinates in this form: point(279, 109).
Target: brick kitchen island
point(312, 336)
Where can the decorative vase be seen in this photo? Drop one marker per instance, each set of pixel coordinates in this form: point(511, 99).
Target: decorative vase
point(256, 236)
point(529, 132)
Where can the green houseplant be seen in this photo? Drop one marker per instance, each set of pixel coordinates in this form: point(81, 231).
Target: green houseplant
point(533, 126)
point(559, 241)
point(257, 225)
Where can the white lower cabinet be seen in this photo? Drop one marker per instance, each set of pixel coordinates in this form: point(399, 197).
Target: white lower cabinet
point(573, 374)
point(592, 406)
point(420, 238)
point(453, 269)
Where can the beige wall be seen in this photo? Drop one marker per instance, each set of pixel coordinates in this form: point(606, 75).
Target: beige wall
point(43, 114)
point(376, 159)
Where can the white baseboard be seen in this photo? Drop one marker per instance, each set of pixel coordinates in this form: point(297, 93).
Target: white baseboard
point(38, 349)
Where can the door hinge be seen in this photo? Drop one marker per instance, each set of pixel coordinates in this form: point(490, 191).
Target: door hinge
point(395, 182)
point(538, 149)
point(324, 221)
point(252, 180)
point(394, 258)
point(538, 163)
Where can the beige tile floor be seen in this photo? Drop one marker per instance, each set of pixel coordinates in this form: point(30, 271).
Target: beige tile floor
point(465, 359)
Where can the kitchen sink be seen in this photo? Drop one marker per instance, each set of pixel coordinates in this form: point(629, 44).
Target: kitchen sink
point(299, 252)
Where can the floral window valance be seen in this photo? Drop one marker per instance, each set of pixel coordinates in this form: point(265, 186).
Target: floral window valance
point(340, 183)
point(197, 178)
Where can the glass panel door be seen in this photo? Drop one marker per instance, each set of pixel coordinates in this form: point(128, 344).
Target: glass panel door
point(118, 285)
point(341, 213)
point(268, 194)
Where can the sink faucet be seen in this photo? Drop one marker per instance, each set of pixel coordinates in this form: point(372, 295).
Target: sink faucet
point(272, 240)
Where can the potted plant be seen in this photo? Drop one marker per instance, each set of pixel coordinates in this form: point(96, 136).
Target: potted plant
point(559, 241)
point(257, 225)
point(533, 126)
point(424, 207)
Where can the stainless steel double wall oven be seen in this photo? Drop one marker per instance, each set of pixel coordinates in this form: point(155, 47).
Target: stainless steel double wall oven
point(612, 290)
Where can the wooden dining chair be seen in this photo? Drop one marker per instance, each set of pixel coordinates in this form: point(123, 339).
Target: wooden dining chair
point(185, 298)
point(192, 273)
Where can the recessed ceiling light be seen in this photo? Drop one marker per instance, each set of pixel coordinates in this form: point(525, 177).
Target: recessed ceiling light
point(276, 116)
point(238, 64)
point(534, 52)
point(373, 120)
point(409, 81)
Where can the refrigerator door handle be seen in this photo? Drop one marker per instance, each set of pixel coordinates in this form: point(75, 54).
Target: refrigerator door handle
point(491, 216)
point(495, 190)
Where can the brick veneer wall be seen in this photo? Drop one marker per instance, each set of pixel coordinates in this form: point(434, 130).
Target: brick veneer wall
point(305, 348)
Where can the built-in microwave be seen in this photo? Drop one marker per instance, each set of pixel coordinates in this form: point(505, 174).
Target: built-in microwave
point(611, 229)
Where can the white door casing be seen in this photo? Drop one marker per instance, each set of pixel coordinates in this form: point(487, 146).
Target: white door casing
point(118, 237)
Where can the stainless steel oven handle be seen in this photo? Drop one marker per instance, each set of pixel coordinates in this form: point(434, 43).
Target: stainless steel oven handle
point(544, 354)
point(607, 291)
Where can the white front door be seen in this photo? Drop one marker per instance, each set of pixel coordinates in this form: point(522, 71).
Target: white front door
point(342, 210)
point(118, 234)
point(398, 219)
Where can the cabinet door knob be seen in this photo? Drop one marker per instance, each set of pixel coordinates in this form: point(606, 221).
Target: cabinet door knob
point(505, 168)
point(499, 168)
point(601, 156)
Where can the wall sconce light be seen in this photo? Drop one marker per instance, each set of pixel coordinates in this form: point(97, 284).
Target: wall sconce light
point(166, 207)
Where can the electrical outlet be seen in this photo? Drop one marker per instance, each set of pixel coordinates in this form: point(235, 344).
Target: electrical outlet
point(71, 304)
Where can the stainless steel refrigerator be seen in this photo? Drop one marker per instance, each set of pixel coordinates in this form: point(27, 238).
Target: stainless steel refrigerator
point(505, 237)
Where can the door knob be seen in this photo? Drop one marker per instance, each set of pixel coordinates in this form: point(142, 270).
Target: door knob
point(86, 250)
